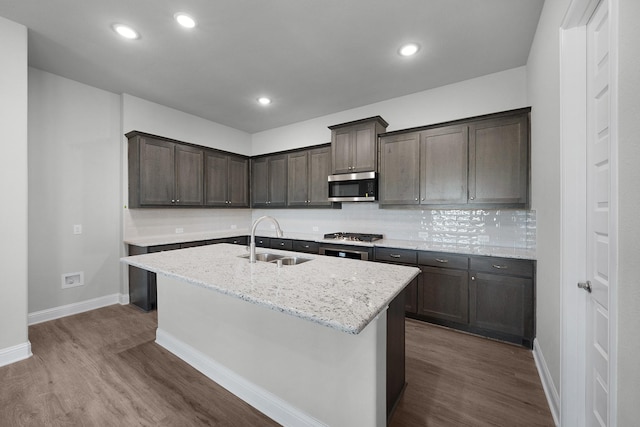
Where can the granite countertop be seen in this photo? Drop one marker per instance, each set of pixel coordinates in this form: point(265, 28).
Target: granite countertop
point(339, 293)
point(466, 249)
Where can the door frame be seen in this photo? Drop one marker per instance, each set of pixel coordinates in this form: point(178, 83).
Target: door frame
point(573, 134)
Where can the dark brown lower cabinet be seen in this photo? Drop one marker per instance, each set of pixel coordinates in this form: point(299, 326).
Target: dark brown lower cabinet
point(402, 257)
point(502, 303)
point(142, 283)
point(443, 294)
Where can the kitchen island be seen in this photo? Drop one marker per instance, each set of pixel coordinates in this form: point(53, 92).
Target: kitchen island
point(318, 343)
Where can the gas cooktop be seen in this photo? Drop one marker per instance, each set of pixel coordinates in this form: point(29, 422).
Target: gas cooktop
point(353, 237)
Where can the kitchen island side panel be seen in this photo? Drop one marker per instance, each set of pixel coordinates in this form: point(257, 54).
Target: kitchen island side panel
point(320, 373)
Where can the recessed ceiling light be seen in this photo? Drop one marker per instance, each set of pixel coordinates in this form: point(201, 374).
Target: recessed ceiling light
point(185, 20)
point(263, 100)
point(409, 49)
point(126, 32)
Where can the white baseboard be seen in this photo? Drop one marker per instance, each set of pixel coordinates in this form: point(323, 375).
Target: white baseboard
point(123, 299)
point(75, 308)
point(15, 354)
point(553, 398)
point(264, 401)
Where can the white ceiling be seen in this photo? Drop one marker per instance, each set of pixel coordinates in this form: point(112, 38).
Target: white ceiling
point(313, 57)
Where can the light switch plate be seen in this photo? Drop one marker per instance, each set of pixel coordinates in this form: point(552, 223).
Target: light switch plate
point(77, 229)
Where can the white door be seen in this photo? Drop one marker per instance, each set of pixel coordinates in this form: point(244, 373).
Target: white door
point(600, 234)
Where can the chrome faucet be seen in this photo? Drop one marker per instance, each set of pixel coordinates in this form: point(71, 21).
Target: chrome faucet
point(252, 244)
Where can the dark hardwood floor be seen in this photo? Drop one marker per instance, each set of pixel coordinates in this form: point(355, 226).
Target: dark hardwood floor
point(102, 368)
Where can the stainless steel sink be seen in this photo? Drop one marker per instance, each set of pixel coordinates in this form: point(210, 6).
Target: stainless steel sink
point(274, 258)
point(265, 257)
point(294, 260)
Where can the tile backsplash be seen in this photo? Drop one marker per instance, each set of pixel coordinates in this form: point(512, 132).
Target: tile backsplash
point(504, 228)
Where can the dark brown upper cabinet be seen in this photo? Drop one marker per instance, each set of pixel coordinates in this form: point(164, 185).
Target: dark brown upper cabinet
point(307, 178)
point(499, 161)
point(269, 181)
point(164, 173)
point(399, 181)
point(479, 162)
point(354, 145)
point(443, 166)
point(226, 180)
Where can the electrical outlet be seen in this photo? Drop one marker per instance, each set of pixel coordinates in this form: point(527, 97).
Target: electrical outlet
point(179, 230)
point(233, 226)
point(316, 229)
point(71, 280)
point(423, 234)
point(77, 229)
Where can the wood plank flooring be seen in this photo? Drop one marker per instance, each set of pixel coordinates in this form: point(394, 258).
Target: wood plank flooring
point(102, 368)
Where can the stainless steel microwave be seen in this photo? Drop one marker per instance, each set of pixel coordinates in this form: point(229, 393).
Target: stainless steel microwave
point(353, 187)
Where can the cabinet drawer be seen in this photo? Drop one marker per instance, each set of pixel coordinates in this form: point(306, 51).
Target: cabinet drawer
point(305, 246)
point(240, 240)
point(400, 256)
point(285, 244)
point(443, 259)
point(162, 248)
point(263, 242)
point(193, 244)
point(512, 267)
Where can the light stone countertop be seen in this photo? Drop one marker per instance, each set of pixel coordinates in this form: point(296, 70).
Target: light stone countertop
point(483, 250)
point(343, 294)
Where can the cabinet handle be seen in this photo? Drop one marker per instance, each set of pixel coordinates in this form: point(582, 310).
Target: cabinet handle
point(281, 243)
point(305, 246)
point(442, 261)
point(173, 201)
point(471, 198)
point(394, 255)
point(423, 199)
point(416, 199)
point(473, 277)
point(500, 267)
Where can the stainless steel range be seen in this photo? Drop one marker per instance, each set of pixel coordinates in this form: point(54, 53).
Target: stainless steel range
point(354, 237)
point(363, 252)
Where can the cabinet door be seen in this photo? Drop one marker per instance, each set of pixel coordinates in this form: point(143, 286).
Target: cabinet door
point(400, 169)
point(443, 168)
point(319, 170)
point(189, 175)
point(364, 139)
point(298, 179)
point(260, 182)
point(238, 182)
point(341, 150)
point(499, 160)
point(157, 172)
point(444, 294)
point(215, 179)
point(501, 303)
point(278, 181)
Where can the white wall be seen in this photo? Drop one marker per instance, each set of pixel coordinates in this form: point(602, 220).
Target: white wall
point(145, 116)
point(544, 96)
point(141, 115)
point(14, 343)
point(74, 178)
point(496, 92)
point(629, 206)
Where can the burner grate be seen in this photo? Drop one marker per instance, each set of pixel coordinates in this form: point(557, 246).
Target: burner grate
point(354, 237)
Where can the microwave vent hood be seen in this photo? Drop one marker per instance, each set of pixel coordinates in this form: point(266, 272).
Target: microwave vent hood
point(353, 187)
